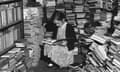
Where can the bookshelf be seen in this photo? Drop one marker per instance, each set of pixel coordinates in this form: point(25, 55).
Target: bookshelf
point(8, 17)
point(11, 30)
point(9, 1)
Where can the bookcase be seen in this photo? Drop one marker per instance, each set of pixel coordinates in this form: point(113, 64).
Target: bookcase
point(11, 30)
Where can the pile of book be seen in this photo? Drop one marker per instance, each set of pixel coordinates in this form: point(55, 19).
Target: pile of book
point(34, 32)
point(69, 7)
point(13, 61)
point(105, 55)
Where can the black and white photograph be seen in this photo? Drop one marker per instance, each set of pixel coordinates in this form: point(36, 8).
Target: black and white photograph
point(59, 35)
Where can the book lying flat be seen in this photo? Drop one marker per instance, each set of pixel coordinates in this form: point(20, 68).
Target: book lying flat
point(116, 41)
point(98, 39)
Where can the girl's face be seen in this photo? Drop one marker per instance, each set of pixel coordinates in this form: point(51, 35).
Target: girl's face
point(58, 23)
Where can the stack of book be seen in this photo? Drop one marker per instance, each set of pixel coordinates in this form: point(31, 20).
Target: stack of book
point(11, 59)
point(80, 13)
point(69, 11)
point(50, 7)
point(34, 32)
point(95, 3)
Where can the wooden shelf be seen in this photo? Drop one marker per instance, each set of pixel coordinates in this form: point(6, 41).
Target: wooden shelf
point(7, 2)
point(6, 27)
point(6, 50)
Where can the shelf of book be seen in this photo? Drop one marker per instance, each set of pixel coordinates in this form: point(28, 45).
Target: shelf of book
point(10, 25)
point(9, 1)
point(6, 50)
point(11, 30)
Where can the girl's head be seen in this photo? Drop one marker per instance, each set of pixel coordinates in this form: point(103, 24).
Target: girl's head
point(58, 18)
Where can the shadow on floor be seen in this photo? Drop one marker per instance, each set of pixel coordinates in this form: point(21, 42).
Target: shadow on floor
point(42, 67)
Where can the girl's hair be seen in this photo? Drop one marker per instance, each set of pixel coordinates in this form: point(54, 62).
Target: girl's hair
point(57, 15)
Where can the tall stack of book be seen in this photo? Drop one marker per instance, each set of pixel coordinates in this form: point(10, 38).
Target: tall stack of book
point(34, 32)
point(106, 59)
point(96, 6)
point(50, 7)
point(69, 6)
point(80, 13)
point(60, 6)
point(11, 30)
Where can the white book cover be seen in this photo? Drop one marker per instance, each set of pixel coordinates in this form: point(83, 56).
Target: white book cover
point(4, 18)
point(98, 38)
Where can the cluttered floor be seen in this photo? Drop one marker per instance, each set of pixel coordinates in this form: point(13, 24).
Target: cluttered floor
point(42, 67)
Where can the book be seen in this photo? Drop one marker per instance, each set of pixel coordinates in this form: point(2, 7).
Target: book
point(19, 13)
point(4, 40)
point(12, 62)
point(4, 18)
point(79, 8)
point(116, 41)
point(15, 14)
point(10, 15)
point(117, 57)
point(15, 34)
point(14, 50)
point(7, 37)
point(5, 66)
point(68, 0)
point(116, 63)
point(92, 61)
point(98, 39)
point(1, 41)
point(8, 55)
point(3, 61)
point(97, 16)
point(60, 1)
point(78, 1)
point(11, 36)
point(21, 68)
point(0, 21)
point(80, 15)
point(51, 3)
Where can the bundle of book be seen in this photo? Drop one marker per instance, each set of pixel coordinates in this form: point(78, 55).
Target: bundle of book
point(34, 31)
point(11, 23)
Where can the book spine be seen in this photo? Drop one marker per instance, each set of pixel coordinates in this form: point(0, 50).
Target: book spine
point(4, 18)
